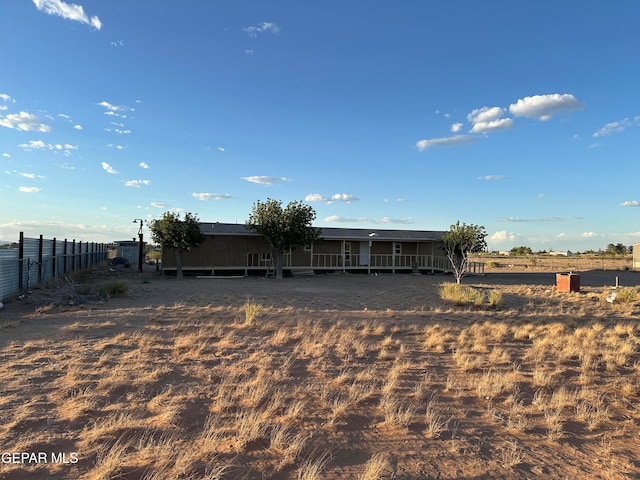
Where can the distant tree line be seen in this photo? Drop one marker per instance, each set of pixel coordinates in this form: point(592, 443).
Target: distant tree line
point(612, 250)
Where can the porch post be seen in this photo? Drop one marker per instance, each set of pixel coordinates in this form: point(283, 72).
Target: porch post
point(393, 257)
point(432, 262)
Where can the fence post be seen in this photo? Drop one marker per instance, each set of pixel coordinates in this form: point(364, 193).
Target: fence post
point(54, 274)
point(20, 261)
point(73, 255)
point(40, 260)
point(64, 255)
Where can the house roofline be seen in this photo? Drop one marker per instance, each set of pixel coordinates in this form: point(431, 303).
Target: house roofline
point(333, 233)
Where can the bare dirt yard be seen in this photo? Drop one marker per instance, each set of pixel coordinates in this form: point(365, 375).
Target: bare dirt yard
point(127, 376)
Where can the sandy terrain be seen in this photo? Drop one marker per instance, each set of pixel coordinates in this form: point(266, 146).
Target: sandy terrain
point(321, 377)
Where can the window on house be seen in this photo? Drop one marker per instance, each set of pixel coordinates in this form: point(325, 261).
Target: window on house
point(397, 248)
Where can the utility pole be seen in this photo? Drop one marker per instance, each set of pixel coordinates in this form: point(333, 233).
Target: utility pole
point(140, 244)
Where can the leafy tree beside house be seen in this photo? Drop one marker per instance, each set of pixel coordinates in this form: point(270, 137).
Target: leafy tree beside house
point(460, 242)
point(182, 235)
point(283, 227)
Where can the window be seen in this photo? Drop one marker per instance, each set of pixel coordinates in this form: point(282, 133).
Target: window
point(397, 248)
point(265, 257)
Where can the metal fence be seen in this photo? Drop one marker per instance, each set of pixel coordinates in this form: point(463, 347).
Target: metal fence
point(37, 261)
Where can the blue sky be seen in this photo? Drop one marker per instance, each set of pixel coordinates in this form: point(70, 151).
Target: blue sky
point(519, 116)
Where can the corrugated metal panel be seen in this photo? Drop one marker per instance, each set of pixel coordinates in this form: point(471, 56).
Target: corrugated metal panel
point(8, 273)
point(35, 272)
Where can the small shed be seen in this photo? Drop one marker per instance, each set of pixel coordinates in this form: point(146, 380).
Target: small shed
point(129, 250)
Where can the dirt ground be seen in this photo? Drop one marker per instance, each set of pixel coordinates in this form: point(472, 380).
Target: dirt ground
point(157, 383)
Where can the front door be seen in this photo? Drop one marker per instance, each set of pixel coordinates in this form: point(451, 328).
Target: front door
point(364, 254)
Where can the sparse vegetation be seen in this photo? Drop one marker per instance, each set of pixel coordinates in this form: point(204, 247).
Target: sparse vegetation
point(184, 387)
point(114, 288)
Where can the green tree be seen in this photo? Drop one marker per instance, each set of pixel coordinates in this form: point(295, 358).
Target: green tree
point(460, 242)
point(182, 235)
point(521, 250)
point(617, 249)
point(283, 228)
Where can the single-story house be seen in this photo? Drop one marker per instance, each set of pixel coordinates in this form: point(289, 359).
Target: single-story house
point(230, 248)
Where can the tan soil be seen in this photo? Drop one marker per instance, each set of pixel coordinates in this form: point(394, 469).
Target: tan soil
point(152, 362)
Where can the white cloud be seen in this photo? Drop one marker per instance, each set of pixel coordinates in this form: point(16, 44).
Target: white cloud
point(143, 165)
point(315, 197)
point(157, 204)
point(493, 177)
point(456, 127)
point(338, 219)
point(403, 221)
point(39, 145)
point(338, 197)
point(265, 180)
point(117, 43)
point(28, 189)
point(503, 236)
point(33, 144)
point(386, 220)
point(268, 27)
point(6, 155)
point(630, 203)
point(615, 127)
point(6, 98)
point(445, 142)
point(112, 109)
point(492, 126)
point(211, 196)
point(136, 183)
point(543, 107)
point(77, 127)
point(27, 175)
point(221, 149)
point(109, 169)
point(540, 220)
point(485, 114)
point(343, 197)
point(24, 121)
point(69, 11)
point(488, 119)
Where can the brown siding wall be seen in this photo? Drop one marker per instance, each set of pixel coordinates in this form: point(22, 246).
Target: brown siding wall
point(328, 246)
point(409, 248)
point(381, 248)
point(300, 257)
